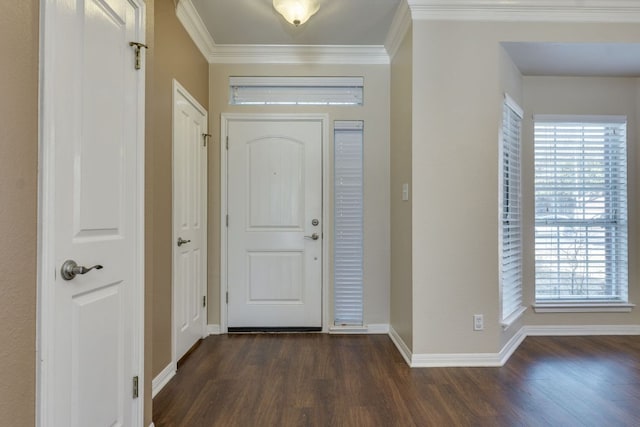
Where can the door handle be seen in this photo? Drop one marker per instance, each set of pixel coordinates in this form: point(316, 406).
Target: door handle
point(314, 236)
point(71, 269)
point(181, 241)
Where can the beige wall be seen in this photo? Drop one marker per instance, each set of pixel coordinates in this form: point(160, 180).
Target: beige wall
point(510, 78)
point(455, 151)
point(375, 114)
point(174, 56)
point(457, 109)
point(401, 300)
point(591, 96)
point(19, 29)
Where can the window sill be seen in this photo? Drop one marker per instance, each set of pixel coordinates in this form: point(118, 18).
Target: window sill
point(511, 319)
point(595, 307)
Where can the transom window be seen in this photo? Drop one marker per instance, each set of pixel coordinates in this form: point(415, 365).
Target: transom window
point(580, 209)
point(347, 91)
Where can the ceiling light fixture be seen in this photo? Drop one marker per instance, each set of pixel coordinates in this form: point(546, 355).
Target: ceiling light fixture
point(297, 12)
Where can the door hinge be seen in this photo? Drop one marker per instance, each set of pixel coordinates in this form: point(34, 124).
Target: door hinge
point(227, 142)
point(227, 220)
point(205, 138)
point(137, 46)
point(204, 301)
point(227, 297)
point(135, 387)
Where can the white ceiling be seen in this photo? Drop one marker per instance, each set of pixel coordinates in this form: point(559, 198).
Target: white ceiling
point(359, 23)
point(338, 22)
point(575, 59)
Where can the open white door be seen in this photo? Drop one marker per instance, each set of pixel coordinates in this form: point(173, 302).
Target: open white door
point(274, 234)
point(189, 220)
point(92, 192)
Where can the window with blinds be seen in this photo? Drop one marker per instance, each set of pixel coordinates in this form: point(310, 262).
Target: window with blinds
point(296, 90)
point(348, 223)
point(510, 211)
point(580, 209)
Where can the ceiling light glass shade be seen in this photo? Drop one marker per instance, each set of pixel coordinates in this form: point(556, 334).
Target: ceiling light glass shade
point(297, 12)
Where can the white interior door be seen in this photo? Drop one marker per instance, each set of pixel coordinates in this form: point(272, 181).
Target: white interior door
point(189, 220)
point(92, 192)
point(274, 237)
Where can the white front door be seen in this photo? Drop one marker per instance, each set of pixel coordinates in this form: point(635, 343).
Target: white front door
point(274, 237)
point(92, 212)
point(189, 219)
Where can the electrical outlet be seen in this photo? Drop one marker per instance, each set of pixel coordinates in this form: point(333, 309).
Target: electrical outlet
point(478, 322)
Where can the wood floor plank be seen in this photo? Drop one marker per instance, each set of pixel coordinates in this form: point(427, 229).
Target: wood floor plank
point(326, 380)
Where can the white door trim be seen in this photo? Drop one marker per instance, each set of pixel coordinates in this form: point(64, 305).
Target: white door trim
point(46, 267)
point(326, 218)
point(178, 88)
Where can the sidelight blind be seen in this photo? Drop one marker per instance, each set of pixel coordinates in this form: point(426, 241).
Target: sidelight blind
point(511, 210)
point(348, 223)
point(580, 209)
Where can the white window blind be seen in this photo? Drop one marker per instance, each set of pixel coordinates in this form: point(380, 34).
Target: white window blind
point(580, 209)
point(348, 222)
point(510, 210)
point(296, 90)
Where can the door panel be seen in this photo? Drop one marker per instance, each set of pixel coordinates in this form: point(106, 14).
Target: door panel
point(189, 210)
point(275, 277)
point(103, 305)
point(93, 108)
point(274, 193)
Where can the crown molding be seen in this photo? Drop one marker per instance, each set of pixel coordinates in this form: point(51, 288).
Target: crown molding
point(298, 54)
point(399, 27)
point(272, 54)
point(192, 23)
point(618, 11)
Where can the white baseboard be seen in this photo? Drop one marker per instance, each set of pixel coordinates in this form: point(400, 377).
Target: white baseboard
point(511, 346)
point(499, 359)
point(162, 379)
point(581, 330)
point(400, 345)
point(345, 330)
point(449, 360)
point(213, 330)
point(376, 328)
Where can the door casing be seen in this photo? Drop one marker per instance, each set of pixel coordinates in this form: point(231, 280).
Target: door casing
point(178, 89)
point(326, 218)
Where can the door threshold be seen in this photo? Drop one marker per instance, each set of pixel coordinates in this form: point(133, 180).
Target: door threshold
point(272, 330)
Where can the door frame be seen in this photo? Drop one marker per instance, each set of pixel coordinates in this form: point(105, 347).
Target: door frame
point(178, 88)
point(46, 267)
point(225, 118)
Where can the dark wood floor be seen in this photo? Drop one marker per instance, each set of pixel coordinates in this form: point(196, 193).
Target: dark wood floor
point(328, 380)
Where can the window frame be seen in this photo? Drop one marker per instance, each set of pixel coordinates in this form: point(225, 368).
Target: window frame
point(303, 91)
point(510, 213)
point(614, 162)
